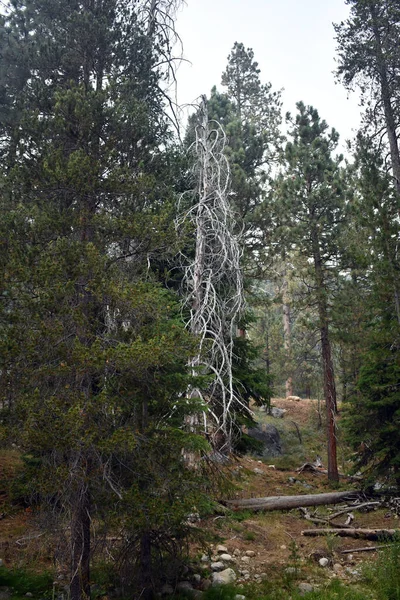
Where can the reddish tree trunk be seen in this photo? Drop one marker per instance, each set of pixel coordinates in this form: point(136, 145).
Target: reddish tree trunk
point(327, 363)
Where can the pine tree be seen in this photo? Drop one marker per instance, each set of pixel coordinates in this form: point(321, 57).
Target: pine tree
point(372, 411)
point(369, 58)
point(309, 211)
point(93, 354)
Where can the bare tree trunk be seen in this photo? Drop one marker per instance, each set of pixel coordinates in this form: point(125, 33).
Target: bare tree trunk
point(80, 545)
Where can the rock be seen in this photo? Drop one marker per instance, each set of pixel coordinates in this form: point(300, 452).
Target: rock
point(323, 562)
point(184, 586)
point(294, 398)
point(250, 553)
point(291, 570)
point(277, 413)
point(236, 552)
point(240, 597)
point(226, 557)
point(258, 471)
point(224, 577)
point(349, 558)
point(167, 590)
point(217, 566)
point(305, 588)
point(270, 439)
point(283, 547)
point(246, 559)
point(29, 594)
point(337, 567)
point(196, 578)
point(222, 550)
point(5, 593)
point(244, 572)
point(205, 584)
point(204, 558)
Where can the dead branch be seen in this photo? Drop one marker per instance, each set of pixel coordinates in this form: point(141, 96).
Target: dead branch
point(298, 431)
point(353, 507)
point(319, 521)
point(310, 467)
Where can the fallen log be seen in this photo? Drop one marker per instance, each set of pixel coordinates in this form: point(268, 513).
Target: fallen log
point(288, 502)
point(361, 534)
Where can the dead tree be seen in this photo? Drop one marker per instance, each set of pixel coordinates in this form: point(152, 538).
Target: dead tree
point(213, 287)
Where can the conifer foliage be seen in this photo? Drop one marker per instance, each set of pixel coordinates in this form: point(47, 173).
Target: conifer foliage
point(93, 355)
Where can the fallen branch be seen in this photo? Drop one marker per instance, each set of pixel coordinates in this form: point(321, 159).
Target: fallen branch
point(365, 549)
point(311, 468)
point(320, 521)
point(288, 502)
point(353, 507)
point(363, 534)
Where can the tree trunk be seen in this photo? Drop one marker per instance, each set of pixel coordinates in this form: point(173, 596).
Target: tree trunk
point(287, 335)
point(80, 545)
point(146, 567)
point(386, 100)
point(327, 363)
point(288, 502)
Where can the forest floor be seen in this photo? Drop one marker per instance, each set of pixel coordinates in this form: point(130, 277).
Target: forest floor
point(274, 539)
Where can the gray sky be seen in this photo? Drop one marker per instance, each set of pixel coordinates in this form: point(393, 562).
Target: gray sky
point(293, 43)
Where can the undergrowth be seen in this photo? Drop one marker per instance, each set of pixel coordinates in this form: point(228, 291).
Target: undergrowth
point(24, 582)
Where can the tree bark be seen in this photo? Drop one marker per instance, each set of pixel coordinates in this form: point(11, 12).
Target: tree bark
point(288, 502)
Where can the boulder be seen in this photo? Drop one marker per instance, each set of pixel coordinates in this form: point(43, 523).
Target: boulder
point(217, 566)
point(324, 562)
point(294, 398)
point(269, 437)
point(226, 557)
point(224, 577)
point(305, 588)
point(184, 586)
point(277, 413)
